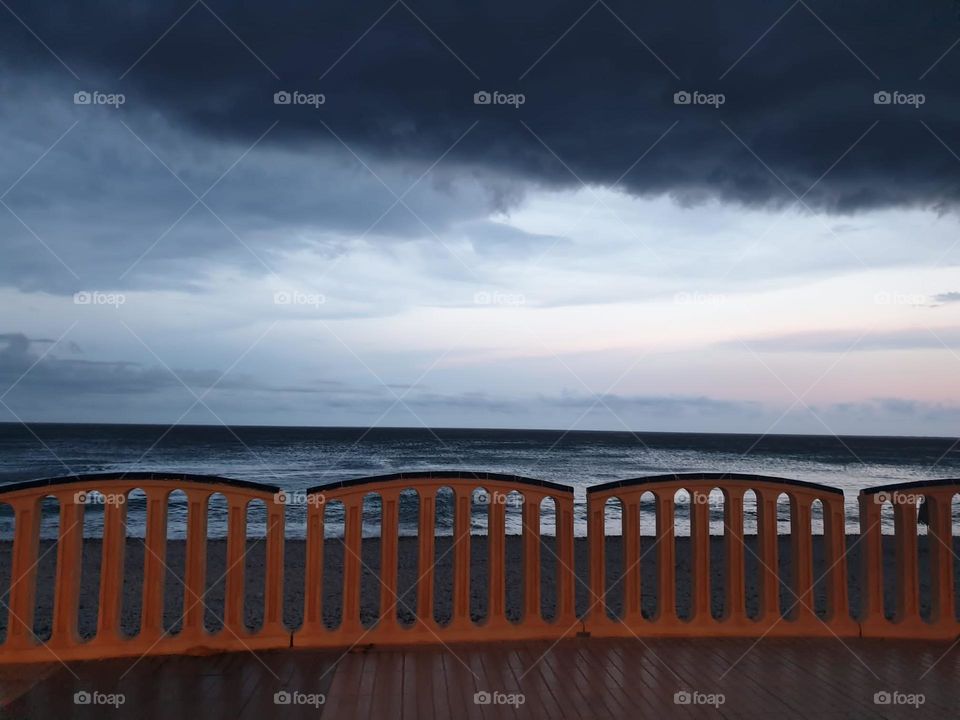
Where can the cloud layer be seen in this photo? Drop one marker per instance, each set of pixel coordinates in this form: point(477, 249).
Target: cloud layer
point(599, 82)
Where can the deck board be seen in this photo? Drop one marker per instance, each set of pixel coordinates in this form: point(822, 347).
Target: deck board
point(584, 677)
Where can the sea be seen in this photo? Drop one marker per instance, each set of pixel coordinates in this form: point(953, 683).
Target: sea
point(296, 458)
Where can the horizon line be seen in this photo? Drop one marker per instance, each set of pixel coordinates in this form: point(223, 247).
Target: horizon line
point(475, 429)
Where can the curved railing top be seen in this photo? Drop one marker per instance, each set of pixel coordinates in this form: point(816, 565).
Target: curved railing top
point(711, 477)
point(442, 475)
point(135, 477)
point(911, 485)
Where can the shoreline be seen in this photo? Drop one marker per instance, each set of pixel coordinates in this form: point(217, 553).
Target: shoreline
point(294, 552)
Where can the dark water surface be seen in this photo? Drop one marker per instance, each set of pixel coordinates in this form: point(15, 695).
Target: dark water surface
point(296, 458)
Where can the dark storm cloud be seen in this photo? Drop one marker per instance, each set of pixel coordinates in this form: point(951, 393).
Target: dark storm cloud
point(798, 79)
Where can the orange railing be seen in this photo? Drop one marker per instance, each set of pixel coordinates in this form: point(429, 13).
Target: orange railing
point(72, 495)
point(797, 618)
point(908, 617)
point(806, 600)
point(425, 629)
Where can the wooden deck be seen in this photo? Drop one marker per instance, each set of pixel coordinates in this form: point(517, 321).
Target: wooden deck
point(582, 678)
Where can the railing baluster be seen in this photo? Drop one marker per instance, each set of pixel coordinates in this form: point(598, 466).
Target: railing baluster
point(154, 564)
point(273, 591)
point(871, 558)
point(566, 604)
point(23, 573)
point(835, 538)
point(461, 570)
point(666, 557)
point(801, 557)
point(235, 590)
point(426, 549)
point(940, 542)
point(194, 587)
point(597, 532)
point(67, 583)
point(111, 572)
point(496, 560)
point(389, 599)
point(905, 527)
point(531, 557)
point(353, 536)
point(735, 594)
point(700, 565)
point(313, 589)
point(769, 554)
point(631, 555)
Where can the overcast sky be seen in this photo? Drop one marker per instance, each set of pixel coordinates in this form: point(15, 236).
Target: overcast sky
point(696, 216)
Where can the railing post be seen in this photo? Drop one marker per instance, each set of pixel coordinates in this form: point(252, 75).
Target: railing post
point(23, 573)
point(154, 564)
point(905, 527)
point(940, 542)
point(235, 590)
point(352, 537)
point(67, 584)
point(313, 590)
point(194, 588)
point(531, 558)
point(111, 572)
point(871, 553)
point(389, 525)
point(666, 557)
point(426, 549)
point(769, 555)
point(700, 563)
point(597, 538)
point(496, 559)
point(735, 600)
point(273, 590)
point(631, 554)
point(461, 569)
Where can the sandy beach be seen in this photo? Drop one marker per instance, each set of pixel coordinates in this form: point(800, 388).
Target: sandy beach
point(408, 573)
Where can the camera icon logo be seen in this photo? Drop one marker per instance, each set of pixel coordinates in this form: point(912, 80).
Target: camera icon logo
point(282, 98)
point(282, 697)
point(82, 697)
point(82, 98)
point(681, 97)
point(682, 697)
point(482, 98)
point(80, 498)
point(882, 98)
point(481, 698)
point(882, 698)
